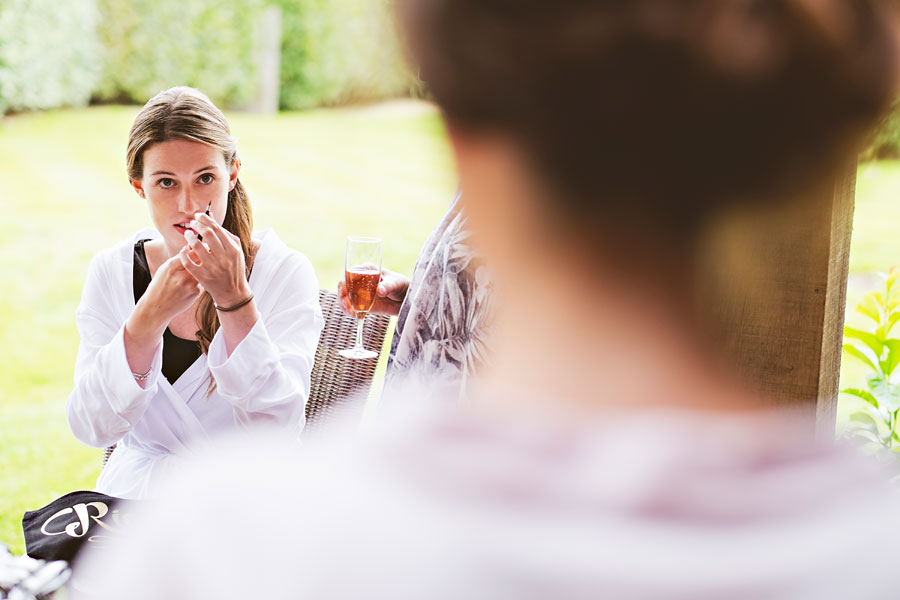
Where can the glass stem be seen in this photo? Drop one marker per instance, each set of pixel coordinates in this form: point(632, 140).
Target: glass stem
point(359, 332)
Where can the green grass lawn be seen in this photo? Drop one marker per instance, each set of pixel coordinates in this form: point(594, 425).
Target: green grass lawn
point(316, 177)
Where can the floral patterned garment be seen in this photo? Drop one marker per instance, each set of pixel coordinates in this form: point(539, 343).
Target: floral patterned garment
point(439, 342)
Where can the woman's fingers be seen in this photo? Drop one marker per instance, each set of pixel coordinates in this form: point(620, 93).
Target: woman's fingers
point(344, 299)
point(186, 262)
point(174, 267)
point(211, 227)
point(393, 285)
point(175, 281)
point(217, 261)
point(196, 250)
point(210, 243)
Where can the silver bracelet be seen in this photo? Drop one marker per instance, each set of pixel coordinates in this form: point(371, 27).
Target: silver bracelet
point(141, 376)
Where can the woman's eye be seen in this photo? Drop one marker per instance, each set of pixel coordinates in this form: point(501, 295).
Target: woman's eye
point(166, 183)
point(206, 178)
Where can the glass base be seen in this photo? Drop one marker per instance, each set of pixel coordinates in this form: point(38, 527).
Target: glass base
point(357, 353)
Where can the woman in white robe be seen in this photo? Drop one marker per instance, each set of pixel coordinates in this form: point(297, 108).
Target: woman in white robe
point(249, 301)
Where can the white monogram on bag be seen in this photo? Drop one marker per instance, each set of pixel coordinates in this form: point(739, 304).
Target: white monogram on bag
point(84, 518)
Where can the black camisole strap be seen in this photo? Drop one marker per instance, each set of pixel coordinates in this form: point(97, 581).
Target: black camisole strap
point(178, 353)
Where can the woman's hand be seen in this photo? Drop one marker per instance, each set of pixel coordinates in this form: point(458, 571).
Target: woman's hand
point(171, 291)
point(217, 262)
point(390, 295)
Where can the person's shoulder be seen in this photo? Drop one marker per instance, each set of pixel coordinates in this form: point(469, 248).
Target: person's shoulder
point(121, 252)
point(275, 255)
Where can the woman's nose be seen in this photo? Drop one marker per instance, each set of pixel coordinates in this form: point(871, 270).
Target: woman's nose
point(186, 203)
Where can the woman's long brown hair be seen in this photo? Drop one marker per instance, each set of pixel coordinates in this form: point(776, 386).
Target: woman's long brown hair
point(187, 114)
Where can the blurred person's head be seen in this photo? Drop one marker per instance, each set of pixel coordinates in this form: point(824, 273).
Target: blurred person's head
point(182, 158)
point(633, 122)
point(599, 141)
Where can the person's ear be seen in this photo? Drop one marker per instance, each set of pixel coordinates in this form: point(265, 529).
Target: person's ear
point(138, 186)
point(232, 178)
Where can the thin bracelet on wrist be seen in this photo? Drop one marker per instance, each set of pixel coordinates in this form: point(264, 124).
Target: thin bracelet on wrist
point(236, 306)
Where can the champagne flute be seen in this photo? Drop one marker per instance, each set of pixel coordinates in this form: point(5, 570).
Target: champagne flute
point(362, 273)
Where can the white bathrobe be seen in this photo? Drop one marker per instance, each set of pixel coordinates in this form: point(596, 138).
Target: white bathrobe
point(265, 380)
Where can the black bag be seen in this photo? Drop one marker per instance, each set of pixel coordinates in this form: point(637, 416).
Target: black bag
point(58, 531)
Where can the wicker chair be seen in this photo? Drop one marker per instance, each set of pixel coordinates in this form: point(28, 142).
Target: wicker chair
point(337, 384)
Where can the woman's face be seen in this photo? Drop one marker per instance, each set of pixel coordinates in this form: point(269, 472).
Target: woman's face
point(182, 178)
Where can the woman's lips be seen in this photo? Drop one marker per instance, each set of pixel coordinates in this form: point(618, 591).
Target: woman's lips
point(183, 228)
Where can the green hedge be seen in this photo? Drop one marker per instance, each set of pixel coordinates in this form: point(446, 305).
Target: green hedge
point(340, 51)
point(333, 51)
point(151, 45)
point(63, 53)
point(48, 53)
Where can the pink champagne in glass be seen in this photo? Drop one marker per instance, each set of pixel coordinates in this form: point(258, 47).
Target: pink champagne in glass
point(362, 273)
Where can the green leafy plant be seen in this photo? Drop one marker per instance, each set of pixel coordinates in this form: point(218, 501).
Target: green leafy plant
point(877, 422)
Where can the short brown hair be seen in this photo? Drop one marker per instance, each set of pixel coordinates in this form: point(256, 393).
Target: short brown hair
point(660, 110)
